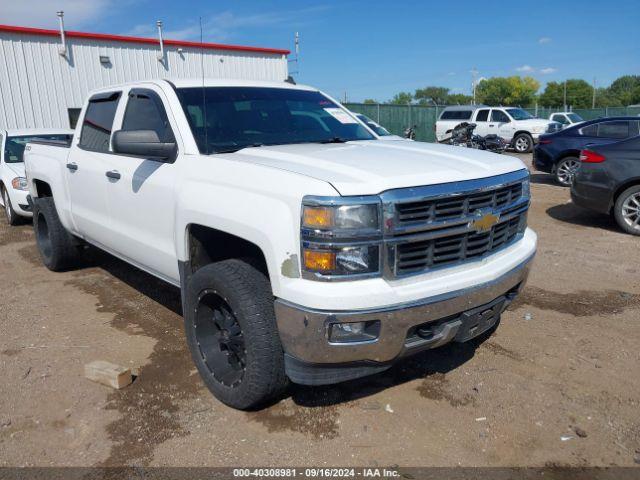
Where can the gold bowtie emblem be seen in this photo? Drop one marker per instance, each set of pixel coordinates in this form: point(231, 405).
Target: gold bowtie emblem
point(484, 223)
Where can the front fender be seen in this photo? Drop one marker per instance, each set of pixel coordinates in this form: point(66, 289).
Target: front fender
point(265, 212)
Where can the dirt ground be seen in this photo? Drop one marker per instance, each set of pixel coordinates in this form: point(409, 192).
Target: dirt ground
point(558, 384)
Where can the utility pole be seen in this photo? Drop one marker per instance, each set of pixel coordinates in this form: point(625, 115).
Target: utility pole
point(565, 95)
point(474, 74)
point(593, 102)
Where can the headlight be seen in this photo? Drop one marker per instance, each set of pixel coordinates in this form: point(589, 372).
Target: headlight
point(340, 237)
point(19, 183)
point(526, 187)
point(343, 217)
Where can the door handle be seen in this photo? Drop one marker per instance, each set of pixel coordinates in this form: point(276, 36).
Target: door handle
point(72, 166)
point(491, 125)
point(113, 174)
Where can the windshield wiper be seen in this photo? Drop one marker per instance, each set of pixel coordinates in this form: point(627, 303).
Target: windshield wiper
point(235, 149)
point(334, 140)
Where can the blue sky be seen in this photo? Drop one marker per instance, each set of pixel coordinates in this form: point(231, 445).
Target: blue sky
point(374, 49)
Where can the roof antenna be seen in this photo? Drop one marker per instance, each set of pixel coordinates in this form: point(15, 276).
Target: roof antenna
point(294, 60)
point(204, 102)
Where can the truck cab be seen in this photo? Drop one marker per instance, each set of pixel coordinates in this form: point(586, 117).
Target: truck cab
point(307, 250)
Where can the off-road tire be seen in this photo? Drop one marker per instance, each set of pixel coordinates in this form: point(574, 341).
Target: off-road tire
point(619, 207)
point(10, 216)
point(561, 169)
point(523, 139)
point(237, 287)
point(58, 249)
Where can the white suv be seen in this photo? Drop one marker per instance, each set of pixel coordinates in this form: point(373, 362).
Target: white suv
point(515, 125)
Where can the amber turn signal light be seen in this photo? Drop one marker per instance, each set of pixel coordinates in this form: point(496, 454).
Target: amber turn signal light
point(319, 261)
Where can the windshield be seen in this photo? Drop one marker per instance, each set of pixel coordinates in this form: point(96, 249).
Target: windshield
point(376, 127)
point(519, 114)
point(227, 119)
point(574, 117)
point(14, 148)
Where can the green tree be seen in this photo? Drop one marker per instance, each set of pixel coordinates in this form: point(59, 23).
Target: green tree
point(605, 98)
point(428, 95)
point(459, 99)
point(579, 94)
point(626, 89)
point(370, 101)
point(508, 91)
point(401, 98)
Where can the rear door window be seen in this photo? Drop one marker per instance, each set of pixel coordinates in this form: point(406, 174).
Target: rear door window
point(614, 129)
point(483, 115)
point(589, 131)
point(98, 122)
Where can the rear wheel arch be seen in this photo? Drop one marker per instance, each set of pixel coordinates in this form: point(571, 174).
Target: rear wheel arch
point(628, 184)
point(565, 154)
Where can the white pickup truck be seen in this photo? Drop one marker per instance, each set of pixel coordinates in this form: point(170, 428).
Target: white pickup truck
point(306, 249)
point(515, 125)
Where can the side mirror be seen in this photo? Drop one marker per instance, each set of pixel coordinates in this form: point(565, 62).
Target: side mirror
point(144, 143)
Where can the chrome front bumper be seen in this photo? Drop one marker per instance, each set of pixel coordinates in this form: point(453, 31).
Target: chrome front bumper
point(304, 332)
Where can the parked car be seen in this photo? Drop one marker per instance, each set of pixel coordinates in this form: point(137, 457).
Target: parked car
point(566, 119)
point(300, 249)
point(378, 129)
point(515, 125)
point(608, 181)
point(558, 153)
point(13, 184)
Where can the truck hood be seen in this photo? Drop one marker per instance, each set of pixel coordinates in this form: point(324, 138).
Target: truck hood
point(371, 167)
point(15, 169)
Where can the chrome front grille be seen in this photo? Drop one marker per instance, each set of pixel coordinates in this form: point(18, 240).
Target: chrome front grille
point(421, 255)
point(444, 225)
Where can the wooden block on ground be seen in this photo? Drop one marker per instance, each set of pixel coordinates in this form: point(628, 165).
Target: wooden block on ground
point(108, 374)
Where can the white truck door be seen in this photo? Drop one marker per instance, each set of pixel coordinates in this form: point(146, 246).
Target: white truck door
point(142, 199)
point(482, 122)
point(500, 124)
point(87, 164)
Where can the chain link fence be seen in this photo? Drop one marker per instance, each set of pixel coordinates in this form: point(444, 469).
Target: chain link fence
point(397, 118)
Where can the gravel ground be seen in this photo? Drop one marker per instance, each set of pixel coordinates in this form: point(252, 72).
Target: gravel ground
point(556, 385)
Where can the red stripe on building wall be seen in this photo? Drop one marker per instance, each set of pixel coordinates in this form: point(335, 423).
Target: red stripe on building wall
point(147, 41)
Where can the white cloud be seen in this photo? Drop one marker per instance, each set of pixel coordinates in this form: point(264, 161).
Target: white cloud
point(224, 25)
point(42, 13)
point(543, 40)
point(548, 70)
point(525, 68)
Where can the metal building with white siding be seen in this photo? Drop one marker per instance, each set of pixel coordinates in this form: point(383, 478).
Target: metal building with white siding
point(45, 76)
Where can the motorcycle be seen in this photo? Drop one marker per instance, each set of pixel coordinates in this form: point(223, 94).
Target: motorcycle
point(462, 135)
point(410, 133)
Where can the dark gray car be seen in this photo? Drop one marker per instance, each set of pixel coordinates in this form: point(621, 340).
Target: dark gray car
point(608, 181)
